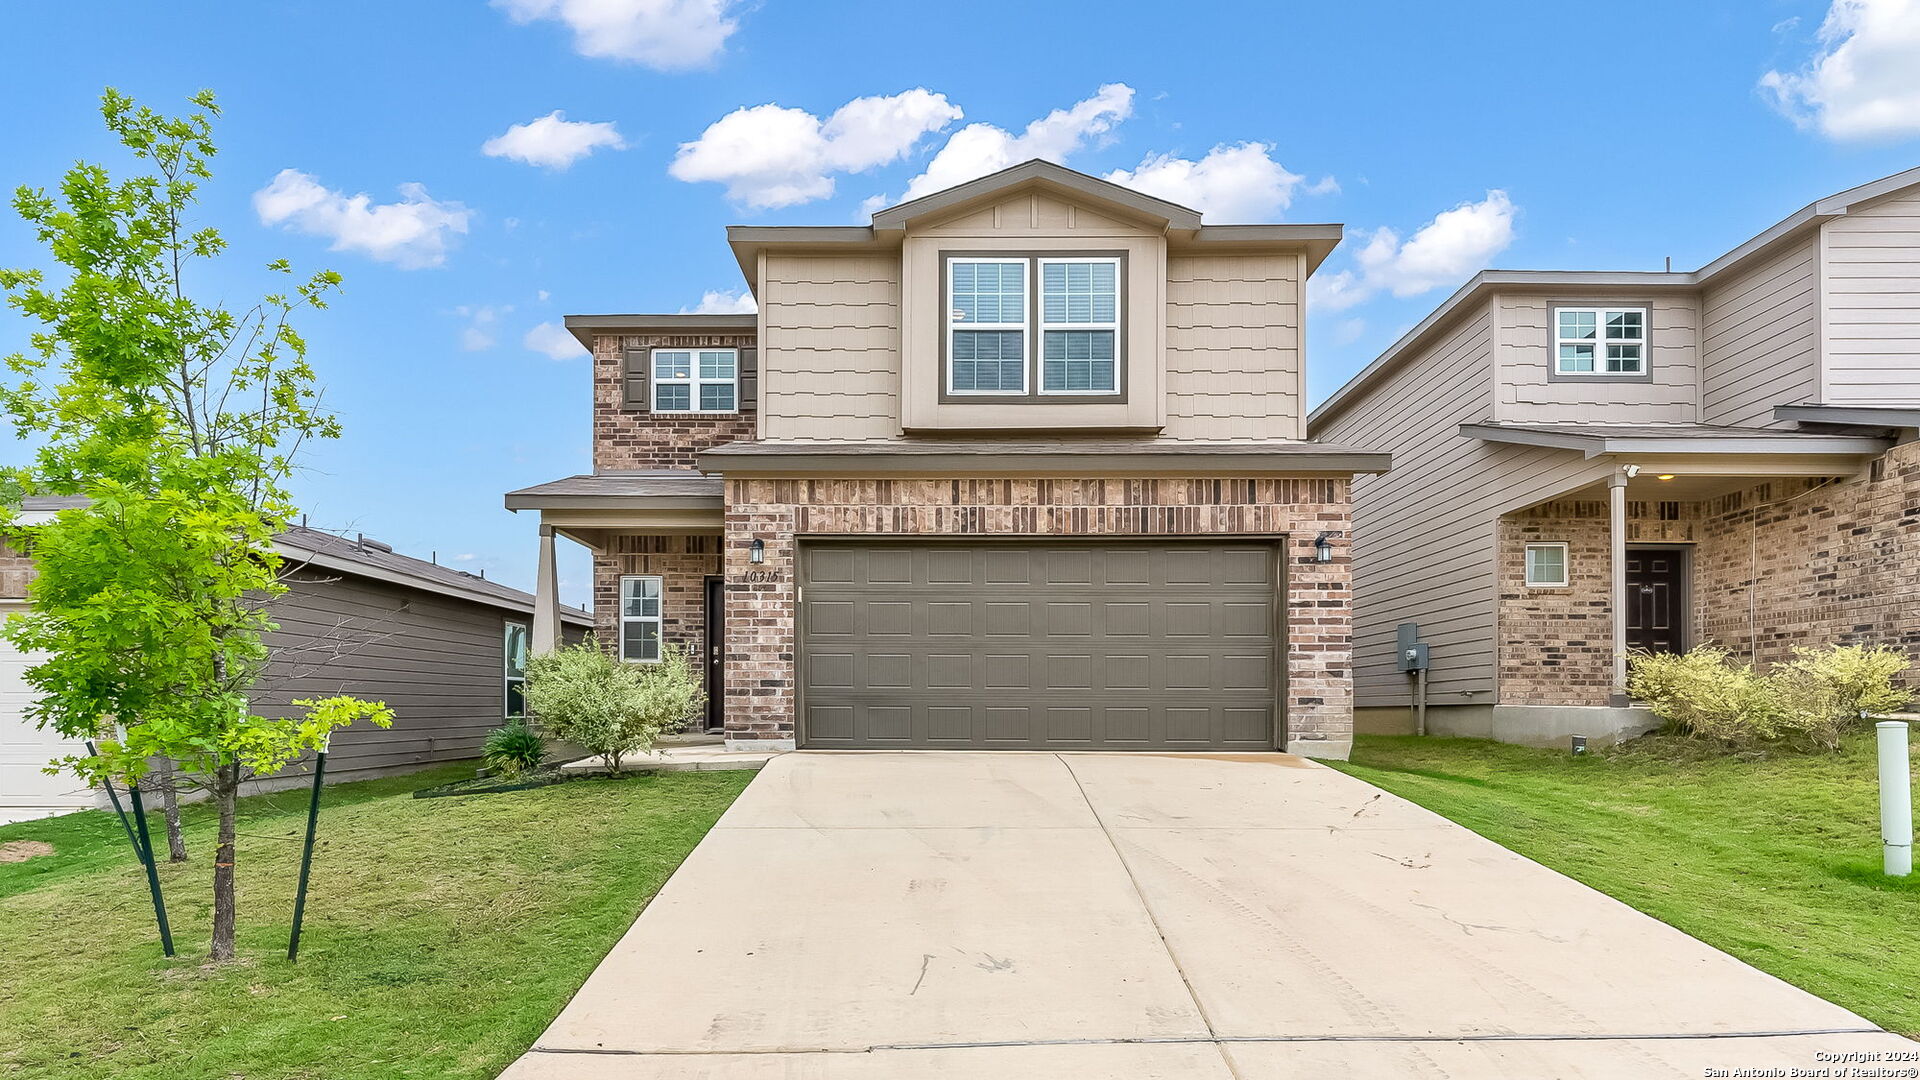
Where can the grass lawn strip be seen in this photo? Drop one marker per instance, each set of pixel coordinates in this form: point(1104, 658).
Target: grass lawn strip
point(442, 935)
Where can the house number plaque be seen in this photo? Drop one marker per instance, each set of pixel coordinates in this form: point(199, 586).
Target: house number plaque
point(760, 577)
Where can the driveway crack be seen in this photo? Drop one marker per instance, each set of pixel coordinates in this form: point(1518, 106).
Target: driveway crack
point(1213, 1034)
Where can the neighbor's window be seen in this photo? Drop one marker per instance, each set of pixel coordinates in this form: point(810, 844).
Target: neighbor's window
point(695, 380)
point(1079, 325)
point(1547, 566)
point(516, 652)
point(1600, 341)
point(640, 618)
point(987, 326)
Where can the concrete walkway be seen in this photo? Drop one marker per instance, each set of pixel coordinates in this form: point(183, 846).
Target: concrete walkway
point(880, 916)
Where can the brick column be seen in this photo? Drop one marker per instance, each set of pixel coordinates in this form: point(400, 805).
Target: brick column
point(761, 602)
point(1319, 644)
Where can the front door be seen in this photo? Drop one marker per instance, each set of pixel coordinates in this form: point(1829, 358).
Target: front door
point(716, 619)
point(1656, 599)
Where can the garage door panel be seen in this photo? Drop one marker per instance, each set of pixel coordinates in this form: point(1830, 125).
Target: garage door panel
point(1053, 644)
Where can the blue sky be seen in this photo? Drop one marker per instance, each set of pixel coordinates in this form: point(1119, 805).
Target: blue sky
point(1446, 137)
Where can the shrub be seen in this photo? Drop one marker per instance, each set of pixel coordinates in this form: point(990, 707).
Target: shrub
point(608, 707)
point(513, 749)
point(1809, 701)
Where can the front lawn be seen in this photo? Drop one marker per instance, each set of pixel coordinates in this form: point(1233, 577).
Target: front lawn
point(1774, 858)
point(442, 935)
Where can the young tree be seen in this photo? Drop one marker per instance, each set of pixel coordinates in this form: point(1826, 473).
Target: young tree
point(179, 421)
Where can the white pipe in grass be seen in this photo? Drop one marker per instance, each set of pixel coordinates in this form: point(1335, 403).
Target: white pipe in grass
point(1896, 799)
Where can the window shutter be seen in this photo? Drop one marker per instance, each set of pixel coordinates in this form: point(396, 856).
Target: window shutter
point(749, 380)
point(635, 369)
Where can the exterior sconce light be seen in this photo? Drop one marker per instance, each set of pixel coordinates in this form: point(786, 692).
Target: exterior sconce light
point(757, 551)
point(1323, 547)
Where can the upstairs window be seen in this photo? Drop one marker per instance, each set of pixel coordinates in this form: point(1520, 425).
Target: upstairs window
point(1600, 341)
point(987, 326)
point(1033, 326)
point(696, 380)
point(1079, 325)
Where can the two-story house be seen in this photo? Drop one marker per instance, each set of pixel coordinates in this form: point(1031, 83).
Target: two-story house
point(1022, 464)
point(1588, 464)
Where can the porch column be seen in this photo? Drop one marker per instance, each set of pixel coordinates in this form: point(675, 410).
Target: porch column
point(546, 598)
point(1617, 572)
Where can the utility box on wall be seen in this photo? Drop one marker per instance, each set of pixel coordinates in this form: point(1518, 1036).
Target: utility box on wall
point(1410, 653)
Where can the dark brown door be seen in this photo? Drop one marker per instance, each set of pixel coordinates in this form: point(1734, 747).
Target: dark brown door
point(716, 619)
point(1656, 599)
point(1025, 645)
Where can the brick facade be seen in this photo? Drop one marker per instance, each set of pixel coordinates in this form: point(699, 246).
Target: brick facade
point(760, 670)
point(625, 438)
point(1772, 566)
point(16, 571)
point(683, 563)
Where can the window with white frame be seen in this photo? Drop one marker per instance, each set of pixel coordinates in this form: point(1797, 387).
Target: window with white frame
point(696, 380)
point(1547, 566)
point(516, 670)
point(1079, 325)
point(987, 326)
point(1600, 340)
point(640, 618)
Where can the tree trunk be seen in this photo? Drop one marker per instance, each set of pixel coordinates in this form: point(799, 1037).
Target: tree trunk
point(170, 808)
point(225, 792)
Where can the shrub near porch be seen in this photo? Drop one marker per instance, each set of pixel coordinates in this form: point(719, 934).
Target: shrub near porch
point(1773, 857)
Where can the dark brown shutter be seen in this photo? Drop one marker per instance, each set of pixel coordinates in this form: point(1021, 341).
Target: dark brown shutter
point(636, 379)
point(749, 380)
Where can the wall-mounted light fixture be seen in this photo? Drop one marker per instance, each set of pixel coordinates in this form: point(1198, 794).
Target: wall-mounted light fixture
point(757, 551)
point(1323, 547)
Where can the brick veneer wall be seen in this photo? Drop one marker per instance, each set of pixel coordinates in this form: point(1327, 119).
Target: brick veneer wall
point(760, 598)
point(1780, 564)
point(683, 563)
point(1555, 646)
point(16, 570)
point(626, 438)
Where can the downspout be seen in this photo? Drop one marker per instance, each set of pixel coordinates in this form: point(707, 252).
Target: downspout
point(1617, 571)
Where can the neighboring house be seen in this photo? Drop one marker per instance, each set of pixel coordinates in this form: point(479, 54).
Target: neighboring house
point(1020, 465)
point(1587, 464)
point(447, 650)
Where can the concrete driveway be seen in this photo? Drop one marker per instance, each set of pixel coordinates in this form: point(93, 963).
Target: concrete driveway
point(878, 916)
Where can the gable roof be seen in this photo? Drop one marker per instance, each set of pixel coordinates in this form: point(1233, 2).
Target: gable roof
point(1076, 185)
point(1486, 282)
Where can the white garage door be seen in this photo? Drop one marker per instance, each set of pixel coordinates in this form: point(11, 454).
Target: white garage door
point(25, 791)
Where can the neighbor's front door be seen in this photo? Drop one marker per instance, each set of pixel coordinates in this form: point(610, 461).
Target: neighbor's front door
point(1656, 599)
point(715, 653)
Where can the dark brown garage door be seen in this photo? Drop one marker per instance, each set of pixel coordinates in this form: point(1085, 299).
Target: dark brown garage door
point(1025, 646)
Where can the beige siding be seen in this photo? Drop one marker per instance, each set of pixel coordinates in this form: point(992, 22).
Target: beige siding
point(829, 347)
point(1525, 348)
point(1872, 303)
point(1424, 534)
point(1760, 338)
point(1233, 347)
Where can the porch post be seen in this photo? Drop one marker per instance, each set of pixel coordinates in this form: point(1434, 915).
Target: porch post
point(1617, 572)
point(546, 598)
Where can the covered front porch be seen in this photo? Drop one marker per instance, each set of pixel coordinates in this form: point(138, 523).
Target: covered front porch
point(656, 542)
point(1666, 537)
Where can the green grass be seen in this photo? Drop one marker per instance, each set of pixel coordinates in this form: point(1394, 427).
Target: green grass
point(1773, 858)
point(441, 936)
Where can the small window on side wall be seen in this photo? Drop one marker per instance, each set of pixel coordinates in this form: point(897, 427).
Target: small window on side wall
point(640, 618)
point(696, 380)
point(516, 670)
point(1547, 566)
point(1599, 341)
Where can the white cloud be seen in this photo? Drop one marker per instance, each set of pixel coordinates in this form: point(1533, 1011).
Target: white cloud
point(1241, 184)
point(544, 295)
point(1348, 331)
point(669, 35)
point(979, 149)
point(723, 302)
point(553, 141)
point(1444, 251)
point(412, 233)
point(551, 340)
point(769, 156)
point(482, 321)
point(1862, 82)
